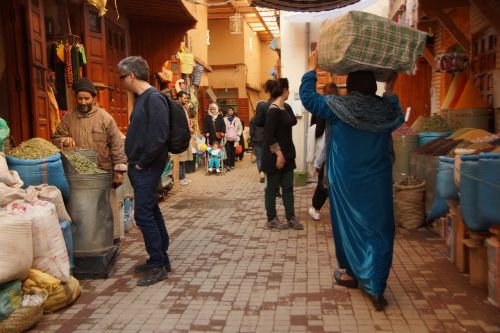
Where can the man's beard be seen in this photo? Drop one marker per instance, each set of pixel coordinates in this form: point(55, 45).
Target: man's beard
point(84, 108)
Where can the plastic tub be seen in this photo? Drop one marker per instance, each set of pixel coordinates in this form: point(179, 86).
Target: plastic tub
point(425, 137)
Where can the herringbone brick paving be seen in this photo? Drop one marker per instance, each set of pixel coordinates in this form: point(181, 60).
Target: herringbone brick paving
point(233, 275)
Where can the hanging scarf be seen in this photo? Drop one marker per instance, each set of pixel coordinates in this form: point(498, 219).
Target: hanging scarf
point(365, 112)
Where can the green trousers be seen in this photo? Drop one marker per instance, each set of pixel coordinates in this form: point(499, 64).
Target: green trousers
point(274, 182)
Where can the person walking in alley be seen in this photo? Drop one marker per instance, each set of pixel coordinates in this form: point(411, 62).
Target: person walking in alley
point(146, 147)
point(234, 130)
point(278, 157)
point(320, 193)
point(257, 139)
point(183, 99)
point(213, 125)
point(360, 176)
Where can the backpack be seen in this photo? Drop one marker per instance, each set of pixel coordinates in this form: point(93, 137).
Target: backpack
point(180, 135)
point(231, 133)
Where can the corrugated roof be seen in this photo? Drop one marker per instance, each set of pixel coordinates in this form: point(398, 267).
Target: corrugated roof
point(303, 5)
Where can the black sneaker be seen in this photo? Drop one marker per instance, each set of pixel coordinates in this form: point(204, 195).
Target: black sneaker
point(143, 268)
point(294, 224)
point(152, 276)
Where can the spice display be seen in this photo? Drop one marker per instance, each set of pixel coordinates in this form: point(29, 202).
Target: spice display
point(458, 133)
point(34, 149)
point(404, 130)
point(83, 165)
point(435, 123)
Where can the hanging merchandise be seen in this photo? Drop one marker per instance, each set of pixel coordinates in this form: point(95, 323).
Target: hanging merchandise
point(451, 62)
point(54, 116)
point(68, 70)
point(235, 24)
point(99, 4)
point(75, 62)
point(187, 61)
point(197, 74)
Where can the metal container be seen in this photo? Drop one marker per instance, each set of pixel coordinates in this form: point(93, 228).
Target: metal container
point(426, 167)
point(474, 118)
point(90, 209)
point(403, 146)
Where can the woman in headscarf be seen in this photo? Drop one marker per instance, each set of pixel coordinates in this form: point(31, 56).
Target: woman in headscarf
point(360, 177)
point(214, 125)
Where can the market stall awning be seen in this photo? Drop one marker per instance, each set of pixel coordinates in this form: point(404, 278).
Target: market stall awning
point(303, 5)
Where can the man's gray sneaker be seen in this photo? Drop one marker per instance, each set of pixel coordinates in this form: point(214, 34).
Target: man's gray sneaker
point(276, 224)
point(293, 223)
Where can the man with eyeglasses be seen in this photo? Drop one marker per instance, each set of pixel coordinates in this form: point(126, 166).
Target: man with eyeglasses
point(146, 147)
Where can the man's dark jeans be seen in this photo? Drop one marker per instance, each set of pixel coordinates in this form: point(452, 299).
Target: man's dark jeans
point(257, 150)
point(147, 213)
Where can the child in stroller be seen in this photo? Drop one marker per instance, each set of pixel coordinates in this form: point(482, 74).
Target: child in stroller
point(214, 158)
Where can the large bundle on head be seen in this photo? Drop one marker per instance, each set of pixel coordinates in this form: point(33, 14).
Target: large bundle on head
point(362, 41)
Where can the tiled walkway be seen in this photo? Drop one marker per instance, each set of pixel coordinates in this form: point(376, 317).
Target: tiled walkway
point(232, 275)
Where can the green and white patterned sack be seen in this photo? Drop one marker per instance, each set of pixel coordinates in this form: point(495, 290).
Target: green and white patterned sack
point(363, 41)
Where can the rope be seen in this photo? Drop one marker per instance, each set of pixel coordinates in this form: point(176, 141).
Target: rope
point(473, 177)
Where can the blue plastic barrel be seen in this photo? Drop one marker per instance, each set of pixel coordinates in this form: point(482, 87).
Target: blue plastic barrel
point(469, 193)
point(445, 185)
point(425, 137)
point(489, 188)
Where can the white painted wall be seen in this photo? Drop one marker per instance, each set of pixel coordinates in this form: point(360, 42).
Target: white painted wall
point(295, 41)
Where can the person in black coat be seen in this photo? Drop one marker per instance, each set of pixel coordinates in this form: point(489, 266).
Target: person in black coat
point(321, 193)
point(278, 157)
point(213, 125)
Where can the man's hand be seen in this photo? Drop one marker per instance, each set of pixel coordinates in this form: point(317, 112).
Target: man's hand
point(389, 85)
point(69, 142)
point(313, 60)
point(280, 161)
point(118, 178)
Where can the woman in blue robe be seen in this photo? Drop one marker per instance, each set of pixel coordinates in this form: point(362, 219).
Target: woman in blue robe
point(359, 161)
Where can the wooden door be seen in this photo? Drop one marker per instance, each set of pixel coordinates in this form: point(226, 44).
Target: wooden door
point(95, 48)
point(115, 51)
point(14, 24)
point(415, 91)
point(37, 59)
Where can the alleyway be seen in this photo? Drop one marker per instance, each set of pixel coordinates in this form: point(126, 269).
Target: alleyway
point(232, 275)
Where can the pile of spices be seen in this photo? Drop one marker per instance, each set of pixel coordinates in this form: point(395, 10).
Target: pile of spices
point(410, 181)
point(435, 123)
point(404, 130)
point(34, 149)
point(83, 165)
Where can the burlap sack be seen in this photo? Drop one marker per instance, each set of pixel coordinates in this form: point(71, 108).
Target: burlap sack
point(10, 194)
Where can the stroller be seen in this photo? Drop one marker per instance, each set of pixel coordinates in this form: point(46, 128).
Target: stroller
point(220, 170)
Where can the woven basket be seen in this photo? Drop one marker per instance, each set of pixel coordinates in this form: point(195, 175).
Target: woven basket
point(22, 319)
point(409, 205)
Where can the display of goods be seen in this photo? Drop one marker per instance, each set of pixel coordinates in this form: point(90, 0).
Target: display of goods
point(47, 170)
point(451, 62)
point(470, 98)
point(492, 139)
point(4, 132)
point(469, 171)
point(404, 130)
point(409, 204)
point(83, 165)
point(25, 317)
point(474, 134)
point(51, 194)
point(60, 295)
point(458, 133)
point(10, 298)
point(34, 149)
point(480, 146)
point(11, 178)
point(4, 168)
point(49, 249)
point(10, 194)
point(435, 123)
point(16, 247)
point(438, 147)
point(454, 91)
point(445, 185)
point(362, 41)
point(489, 188)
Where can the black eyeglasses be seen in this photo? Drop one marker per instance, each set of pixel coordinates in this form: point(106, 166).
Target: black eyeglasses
point(124, 76)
